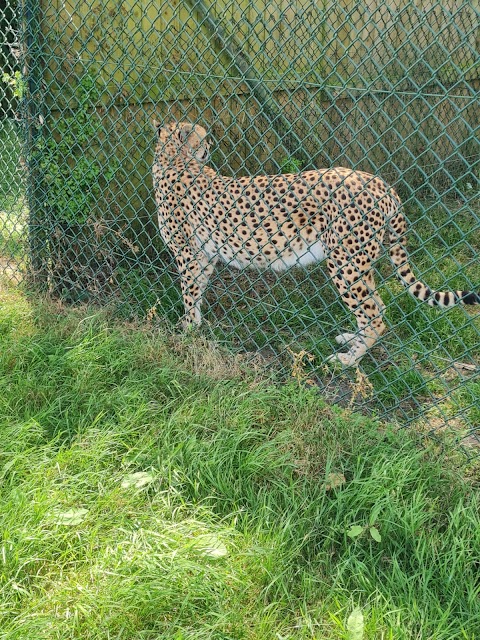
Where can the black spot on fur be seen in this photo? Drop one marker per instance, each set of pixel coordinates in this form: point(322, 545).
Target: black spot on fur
point(470, 297)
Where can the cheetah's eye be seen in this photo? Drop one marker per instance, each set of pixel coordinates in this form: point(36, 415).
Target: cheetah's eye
point(184, 132)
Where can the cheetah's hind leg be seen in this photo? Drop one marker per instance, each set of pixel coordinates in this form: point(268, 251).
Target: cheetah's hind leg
point(360, 296)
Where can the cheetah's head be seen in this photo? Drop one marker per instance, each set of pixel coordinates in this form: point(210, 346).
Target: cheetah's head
point(184, 139)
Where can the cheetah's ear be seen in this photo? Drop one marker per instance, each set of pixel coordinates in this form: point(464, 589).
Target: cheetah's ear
point(157, 126)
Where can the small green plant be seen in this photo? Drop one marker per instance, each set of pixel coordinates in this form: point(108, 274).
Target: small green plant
point(291, 165)
point(356, 530)
point(16, 82)
point(355, 625)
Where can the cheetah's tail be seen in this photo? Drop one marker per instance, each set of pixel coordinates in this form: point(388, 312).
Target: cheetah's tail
point(398, 255)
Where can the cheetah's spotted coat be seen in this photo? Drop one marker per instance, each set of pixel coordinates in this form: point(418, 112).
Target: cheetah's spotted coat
point(280, 221)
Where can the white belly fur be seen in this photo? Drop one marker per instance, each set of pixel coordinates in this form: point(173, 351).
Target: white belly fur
point(301, 256)
point(296, 256)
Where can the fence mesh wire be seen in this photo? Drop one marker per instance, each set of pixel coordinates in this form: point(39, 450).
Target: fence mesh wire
point(389, 88)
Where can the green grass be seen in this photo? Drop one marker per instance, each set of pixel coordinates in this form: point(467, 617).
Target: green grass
point(228, 530)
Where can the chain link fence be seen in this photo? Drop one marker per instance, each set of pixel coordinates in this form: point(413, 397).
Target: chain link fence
point(387, 87)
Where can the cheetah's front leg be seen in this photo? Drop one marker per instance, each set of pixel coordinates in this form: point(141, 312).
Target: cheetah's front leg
point(195, 269)
point(353, 277)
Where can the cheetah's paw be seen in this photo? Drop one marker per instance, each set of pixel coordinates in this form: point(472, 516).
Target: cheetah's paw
point(345, 338)
point(345, 359)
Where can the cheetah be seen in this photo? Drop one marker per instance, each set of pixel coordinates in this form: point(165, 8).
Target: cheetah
point(337, 214)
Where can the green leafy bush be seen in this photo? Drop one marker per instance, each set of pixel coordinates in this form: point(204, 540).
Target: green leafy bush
point(75, 171)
